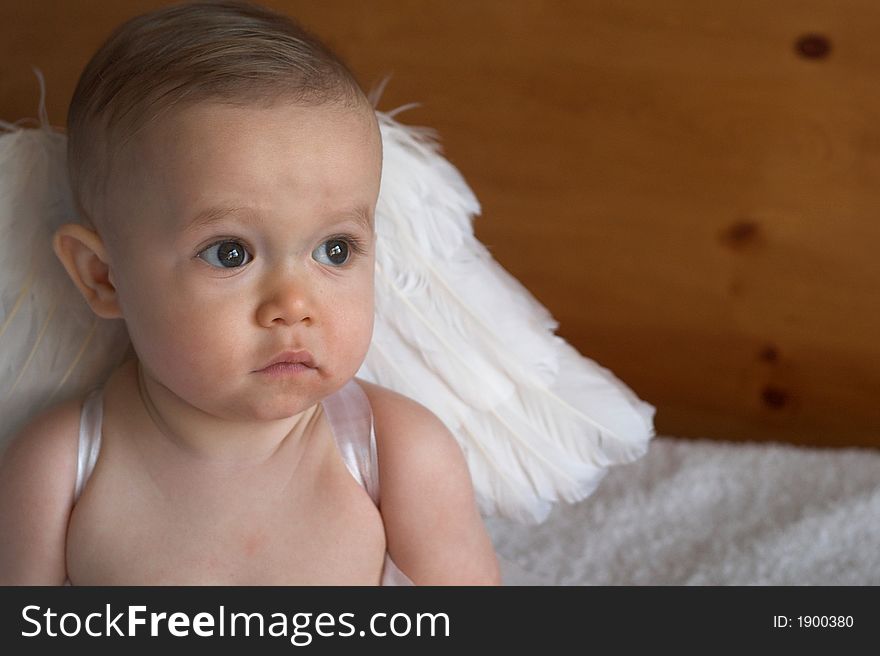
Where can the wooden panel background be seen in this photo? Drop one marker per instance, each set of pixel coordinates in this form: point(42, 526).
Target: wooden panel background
point(693, 198)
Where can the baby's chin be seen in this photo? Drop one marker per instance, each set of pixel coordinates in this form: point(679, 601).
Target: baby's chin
point(262, 398)
point(278, 401)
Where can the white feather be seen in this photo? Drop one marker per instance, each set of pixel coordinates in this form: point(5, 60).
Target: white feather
point(538, 423)
point(52, 347)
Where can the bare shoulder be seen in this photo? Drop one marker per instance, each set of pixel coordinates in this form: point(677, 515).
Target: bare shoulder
point(413, 443)
point(46, 444)
point(37, 478)
point(434, 530)
point(402, 416)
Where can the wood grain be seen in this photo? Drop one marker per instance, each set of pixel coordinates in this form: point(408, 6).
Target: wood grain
point(693, 198)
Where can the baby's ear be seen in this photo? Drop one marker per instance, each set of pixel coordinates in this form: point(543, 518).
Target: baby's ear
point(83, 254)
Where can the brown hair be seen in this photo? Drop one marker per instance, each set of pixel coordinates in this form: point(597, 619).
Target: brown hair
point(226, 51)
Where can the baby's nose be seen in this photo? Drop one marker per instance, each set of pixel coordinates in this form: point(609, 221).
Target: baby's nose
point(287, 304)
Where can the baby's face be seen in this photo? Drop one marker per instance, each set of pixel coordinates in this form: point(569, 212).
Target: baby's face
point(211, 298)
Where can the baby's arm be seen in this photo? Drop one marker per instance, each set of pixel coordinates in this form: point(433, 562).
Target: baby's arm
point(37, 477)
point(432, 525)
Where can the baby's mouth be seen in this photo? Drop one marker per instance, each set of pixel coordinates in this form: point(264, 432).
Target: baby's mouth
point(289, 361)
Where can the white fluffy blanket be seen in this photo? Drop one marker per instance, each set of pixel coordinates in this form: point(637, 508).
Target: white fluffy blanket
point(700, 512)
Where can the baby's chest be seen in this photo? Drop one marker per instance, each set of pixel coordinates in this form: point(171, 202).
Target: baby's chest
point(334, 536)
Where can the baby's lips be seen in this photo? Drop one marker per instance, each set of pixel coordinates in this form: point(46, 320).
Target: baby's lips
point(291, 357)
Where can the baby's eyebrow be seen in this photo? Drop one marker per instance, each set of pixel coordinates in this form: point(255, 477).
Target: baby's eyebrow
point(214, 214)
point(361, 215)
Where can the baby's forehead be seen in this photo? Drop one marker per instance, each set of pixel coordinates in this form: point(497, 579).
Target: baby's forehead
point(217, 122)
point(189, 157)
point(218, 119)
point(195, 113)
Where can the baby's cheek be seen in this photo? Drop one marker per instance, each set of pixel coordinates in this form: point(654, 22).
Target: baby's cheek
point(174, 341)
point(352, 333)
point(201, 336)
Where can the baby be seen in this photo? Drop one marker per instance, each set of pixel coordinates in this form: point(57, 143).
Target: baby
point(227, 167)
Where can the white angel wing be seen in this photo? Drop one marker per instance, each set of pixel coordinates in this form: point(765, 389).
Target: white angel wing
point(52, 347)
point(538, 422)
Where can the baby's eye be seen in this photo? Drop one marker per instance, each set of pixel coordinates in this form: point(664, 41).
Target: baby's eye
point(334, 252)
point(228, 254)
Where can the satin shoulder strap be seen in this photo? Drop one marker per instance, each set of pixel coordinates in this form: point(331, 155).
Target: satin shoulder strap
point(90, 422)
point(351, 420)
